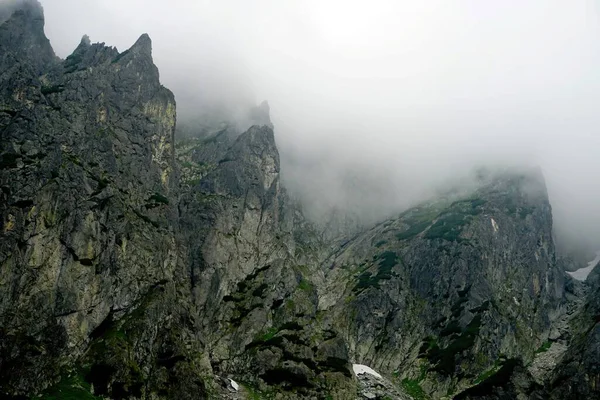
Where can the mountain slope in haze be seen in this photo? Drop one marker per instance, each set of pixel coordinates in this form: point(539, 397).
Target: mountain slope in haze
point(452, 289)
point(135, 266)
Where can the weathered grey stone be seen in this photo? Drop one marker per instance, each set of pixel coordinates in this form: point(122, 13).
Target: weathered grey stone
point(138, 269)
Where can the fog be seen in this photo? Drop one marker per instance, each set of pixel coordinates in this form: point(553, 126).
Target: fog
point(376, 104)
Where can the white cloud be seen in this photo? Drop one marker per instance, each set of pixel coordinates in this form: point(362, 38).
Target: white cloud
point(403, 94)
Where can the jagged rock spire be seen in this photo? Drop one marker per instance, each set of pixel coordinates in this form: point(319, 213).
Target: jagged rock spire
point(143, 46)
point(22, 33)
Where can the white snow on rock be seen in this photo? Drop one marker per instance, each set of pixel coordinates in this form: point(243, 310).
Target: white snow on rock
point(582, 273)
point(494, 225)
point(234, 384)
point(363, 369)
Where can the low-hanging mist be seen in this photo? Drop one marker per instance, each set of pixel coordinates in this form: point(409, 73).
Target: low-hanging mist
point(376, 105)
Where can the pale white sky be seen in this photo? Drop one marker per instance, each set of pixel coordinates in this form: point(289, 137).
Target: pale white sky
point(401, 93)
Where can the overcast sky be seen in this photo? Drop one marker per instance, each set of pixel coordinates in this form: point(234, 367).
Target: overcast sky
point(395, 96)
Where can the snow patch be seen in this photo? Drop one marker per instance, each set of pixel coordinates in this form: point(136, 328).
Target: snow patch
point(363, 369)
point(582, 273)
point(494, 225)
point(234, 385)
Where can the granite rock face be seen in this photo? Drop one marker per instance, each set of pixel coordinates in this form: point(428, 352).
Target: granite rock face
point(133, 266)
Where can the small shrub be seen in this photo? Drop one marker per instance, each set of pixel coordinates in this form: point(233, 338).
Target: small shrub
point(428, 343)
point(486, 374)
point(544, 347)
point(159, 198)
point(305, 285)
point(46, 90)
point(458, 307)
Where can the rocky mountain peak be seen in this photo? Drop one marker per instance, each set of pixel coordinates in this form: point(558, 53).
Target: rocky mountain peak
point(260, 115)
point(142, 46)
point(22, 34)
point(32, 9)
point(85, 40)
point(84, 44)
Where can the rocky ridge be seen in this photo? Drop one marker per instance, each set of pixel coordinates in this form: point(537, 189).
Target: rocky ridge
point(135, 266)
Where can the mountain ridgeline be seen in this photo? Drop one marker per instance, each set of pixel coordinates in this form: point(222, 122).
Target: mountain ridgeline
point(134, 265)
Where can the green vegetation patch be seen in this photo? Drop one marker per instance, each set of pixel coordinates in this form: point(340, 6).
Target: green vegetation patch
point(414, 389)
point(448, 227)
point(450, 223)
point(444, 359)
point(159, 198)
point(429, 343)
point(387, 261)
point(253, 392)
point(418, 220)
point(46, 90)
point(112, 356)
point(469, 206)
point(264, 337)
point(73, 387)
point(486, 374)
point(496, 378)
point(544, 347)
point(305, 286)
point(413, 231)
point(365, 280)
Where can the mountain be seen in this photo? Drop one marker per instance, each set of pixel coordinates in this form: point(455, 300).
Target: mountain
point(138, 265)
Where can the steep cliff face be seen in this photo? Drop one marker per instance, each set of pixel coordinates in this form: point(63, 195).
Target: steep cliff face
point(573, 353)
point(87, 171)
point(577, 376)
point(252, 274)
point(134, 268)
